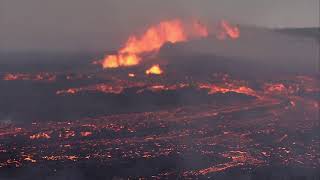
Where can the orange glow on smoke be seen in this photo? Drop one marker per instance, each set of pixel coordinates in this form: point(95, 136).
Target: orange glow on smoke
point(155, 69)
point(232, 31)
point(200, 29)
point(155, 36)
point(151, 41)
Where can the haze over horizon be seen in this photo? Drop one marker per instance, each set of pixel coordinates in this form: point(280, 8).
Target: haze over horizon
point(103, 25)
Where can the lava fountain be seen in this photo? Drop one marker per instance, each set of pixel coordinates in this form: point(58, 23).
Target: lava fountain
point(151, 41)
point(155, 36)
point(155, 69)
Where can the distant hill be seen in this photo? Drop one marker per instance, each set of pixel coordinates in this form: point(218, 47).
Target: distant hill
point(309, 32)
point(255, 47)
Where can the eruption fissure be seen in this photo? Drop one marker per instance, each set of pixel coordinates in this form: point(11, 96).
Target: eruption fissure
point(154, 37)
point(151, 41)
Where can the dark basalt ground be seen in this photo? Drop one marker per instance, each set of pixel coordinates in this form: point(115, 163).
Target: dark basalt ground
point(183, 133)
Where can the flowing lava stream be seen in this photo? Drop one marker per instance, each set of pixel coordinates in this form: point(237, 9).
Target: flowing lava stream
point(219, 131)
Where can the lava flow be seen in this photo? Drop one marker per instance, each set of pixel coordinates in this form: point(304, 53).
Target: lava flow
point(29, 77)
point(201, 116)
point(236, 125)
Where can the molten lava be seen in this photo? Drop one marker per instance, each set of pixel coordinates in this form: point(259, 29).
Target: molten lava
point(114, 61)
point(151, 41)
point(155, 69)
point(41, 135)
point(48, 77)
point(131, 75)
point(154, 37)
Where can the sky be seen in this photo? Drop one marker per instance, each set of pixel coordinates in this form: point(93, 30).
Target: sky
point(87, 25)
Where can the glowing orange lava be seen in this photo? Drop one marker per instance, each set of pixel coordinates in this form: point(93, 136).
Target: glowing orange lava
point(167, 31)
point(114, 61)
point(151, 41)
point(131, 75)
point(155, 69)
point(48, 77)
point(155, 36)
point(41, 135)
